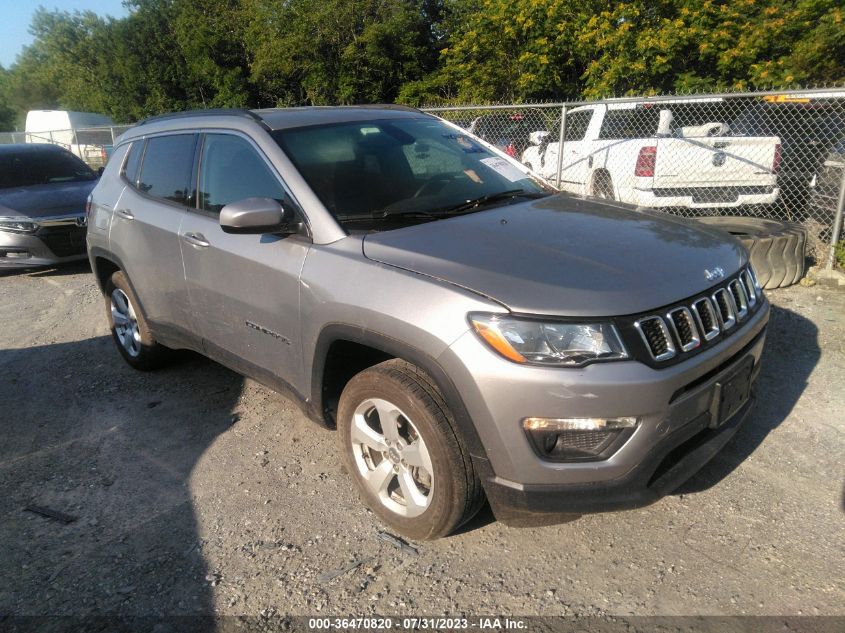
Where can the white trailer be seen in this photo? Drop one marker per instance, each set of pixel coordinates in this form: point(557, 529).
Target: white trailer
point(61, 127)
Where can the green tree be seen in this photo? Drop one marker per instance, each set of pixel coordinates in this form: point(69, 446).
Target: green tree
point(7, 112)
point(683, 45)
point(336, 51)
point(515, 50)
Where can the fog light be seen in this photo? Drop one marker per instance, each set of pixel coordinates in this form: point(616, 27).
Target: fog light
point(577, 424)
point(15, 254)
point(578, 439)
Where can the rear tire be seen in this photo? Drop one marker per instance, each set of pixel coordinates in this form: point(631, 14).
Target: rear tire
point(129, 328)
point(398, 443)
point(603, 186)
point(776, 249)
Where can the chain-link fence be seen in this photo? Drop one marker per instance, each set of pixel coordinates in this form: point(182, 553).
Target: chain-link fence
point(773, 155)
point(91, 144)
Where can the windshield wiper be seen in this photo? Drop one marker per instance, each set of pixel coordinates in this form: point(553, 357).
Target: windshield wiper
point(463, 207)
point(389, 215)
point(475, 203)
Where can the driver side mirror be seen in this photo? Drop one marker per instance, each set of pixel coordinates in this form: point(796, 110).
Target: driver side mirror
point(258, 215)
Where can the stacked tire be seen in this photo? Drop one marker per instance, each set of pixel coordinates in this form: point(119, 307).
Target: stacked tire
point(776, 248)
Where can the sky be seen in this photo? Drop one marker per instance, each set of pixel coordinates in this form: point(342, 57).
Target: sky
point(15, 16)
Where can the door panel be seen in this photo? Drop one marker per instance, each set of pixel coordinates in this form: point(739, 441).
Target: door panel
point(145, 230)
point(244, 289)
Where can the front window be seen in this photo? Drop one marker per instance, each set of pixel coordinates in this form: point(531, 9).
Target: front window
point(29, 167)
point(401, 169)
point(231, 170)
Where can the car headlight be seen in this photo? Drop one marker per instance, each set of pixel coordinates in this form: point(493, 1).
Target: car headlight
point(543, 342)
point(17, 226)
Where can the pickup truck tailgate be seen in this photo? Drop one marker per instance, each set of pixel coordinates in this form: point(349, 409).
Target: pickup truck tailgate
point(716, 162)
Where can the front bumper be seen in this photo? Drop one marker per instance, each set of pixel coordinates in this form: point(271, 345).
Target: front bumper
point(672, 441)
point(57, 240)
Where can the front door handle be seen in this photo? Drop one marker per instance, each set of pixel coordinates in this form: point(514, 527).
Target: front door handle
point(126, 214)
point(196, 239)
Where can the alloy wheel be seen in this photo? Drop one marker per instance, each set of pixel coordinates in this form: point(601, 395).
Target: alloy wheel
point(392, 457)
point(125, 323)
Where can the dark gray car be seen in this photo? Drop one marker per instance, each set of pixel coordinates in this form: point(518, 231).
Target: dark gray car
point(43, 193)
point(470, 332)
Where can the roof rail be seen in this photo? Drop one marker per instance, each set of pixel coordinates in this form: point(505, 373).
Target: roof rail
point(239, 112)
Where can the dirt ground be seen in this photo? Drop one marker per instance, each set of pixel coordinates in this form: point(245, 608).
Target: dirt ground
point(197, 491)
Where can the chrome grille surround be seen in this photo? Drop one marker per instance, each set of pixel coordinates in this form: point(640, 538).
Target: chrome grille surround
point(704, 313)
point(740, 298)
point(657, 354)
point(750, 285)
point(699, 320)
point(725, 309)
point(678, 319)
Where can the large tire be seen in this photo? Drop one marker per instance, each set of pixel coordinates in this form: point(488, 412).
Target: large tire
point(602, 186)
point(129, 328)
point(776, 248)
point(408, 450)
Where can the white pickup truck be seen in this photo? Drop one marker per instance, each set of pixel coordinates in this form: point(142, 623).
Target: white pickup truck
point(637, 153)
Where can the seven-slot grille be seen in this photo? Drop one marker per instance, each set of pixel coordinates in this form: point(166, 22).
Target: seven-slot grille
point(684, 328)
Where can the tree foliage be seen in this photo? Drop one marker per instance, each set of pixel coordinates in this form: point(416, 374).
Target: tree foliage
point(176, 54)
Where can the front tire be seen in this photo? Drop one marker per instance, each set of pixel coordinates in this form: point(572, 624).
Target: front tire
point(129, 329)
point(399, 445)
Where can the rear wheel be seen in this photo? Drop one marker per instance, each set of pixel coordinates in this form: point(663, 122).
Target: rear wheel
point(603, 186)
point(399, 445)
point(129, 328)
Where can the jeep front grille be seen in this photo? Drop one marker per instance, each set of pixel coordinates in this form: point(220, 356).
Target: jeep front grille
point(657, 338)
point(703, 309)
point(683, 328)
point(725, 308)
point(750, 287)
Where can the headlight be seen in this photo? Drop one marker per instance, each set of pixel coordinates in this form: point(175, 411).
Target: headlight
point(548, 342)
point(18, 226)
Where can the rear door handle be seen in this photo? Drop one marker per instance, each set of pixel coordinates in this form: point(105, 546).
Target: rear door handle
point(126, 214)
point(196, 239)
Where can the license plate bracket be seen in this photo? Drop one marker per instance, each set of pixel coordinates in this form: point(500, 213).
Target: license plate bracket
point(731, 393)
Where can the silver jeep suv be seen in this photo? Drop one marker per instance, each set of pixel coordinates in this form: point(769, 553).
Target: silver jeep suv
point(470, 332)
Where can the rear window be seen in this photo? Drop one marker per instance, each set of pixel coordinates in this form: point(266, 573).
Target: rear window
point(166, 170)
point(628, 124)
point(577, 124)
point(28, 167)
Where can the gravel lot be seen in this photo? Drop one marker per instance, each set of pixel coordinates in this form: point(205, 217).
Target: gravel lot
point(198, 491)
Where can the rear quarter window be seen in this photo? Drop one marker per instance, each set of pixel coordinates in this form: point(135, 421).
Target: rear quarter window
point(133, 161)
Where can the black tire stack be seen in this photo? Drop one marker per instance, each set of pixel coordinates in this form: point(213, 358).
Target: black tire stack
point(776, 248)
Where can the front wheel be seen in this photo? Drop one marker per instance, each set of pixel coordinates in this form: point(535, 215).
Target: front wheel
point(400, 446)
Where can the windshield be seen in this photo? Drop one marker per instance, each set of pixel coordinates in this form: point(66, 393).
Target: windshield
point(400, 167)
point(22, 169)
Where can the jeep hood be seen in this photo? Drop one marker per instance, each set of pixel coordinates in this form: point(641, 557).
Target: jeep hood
point(564, 255)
